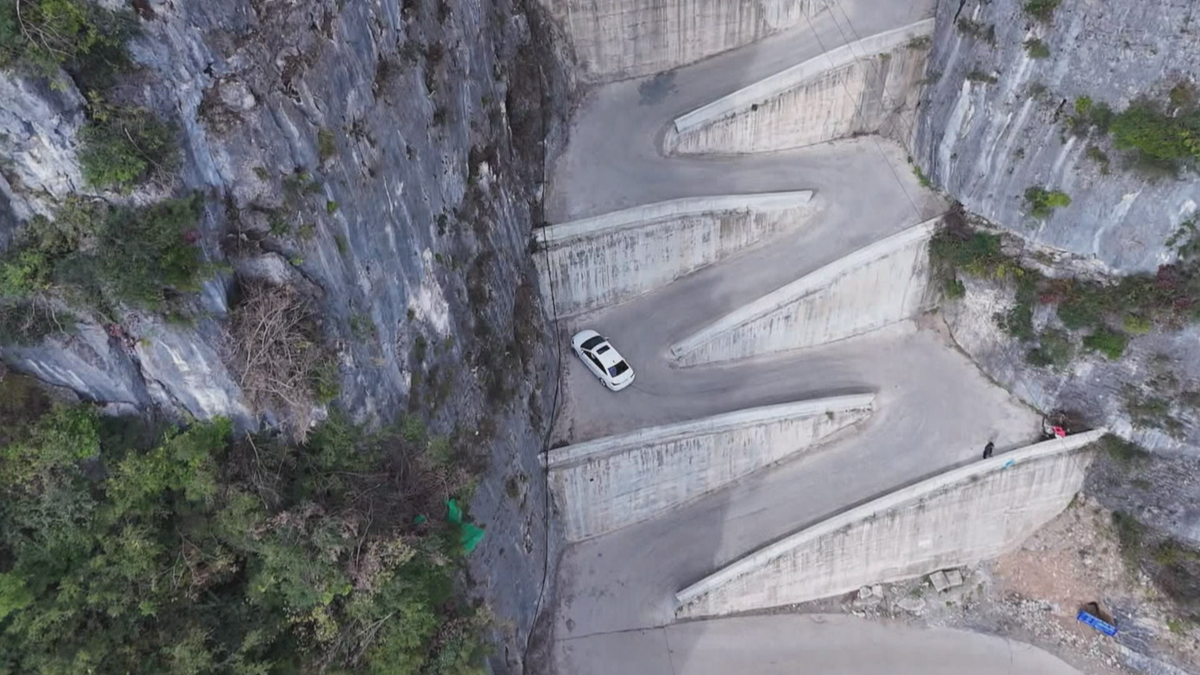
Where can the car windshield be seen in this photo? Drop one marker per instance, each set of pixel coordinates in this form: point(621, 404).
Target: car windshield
point(591, 342)
point(619, 368)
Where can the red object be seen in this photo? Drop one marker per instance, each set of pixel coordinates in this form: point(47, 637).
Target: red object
point(1059, 431)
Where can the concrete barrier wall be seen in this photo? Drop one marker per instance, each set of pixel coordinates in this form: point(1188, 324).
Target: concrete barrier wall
point(961, 517)
point(873, 287)
point(613, 482)
point(614, 257)
point(868, 86)
point(620, 39)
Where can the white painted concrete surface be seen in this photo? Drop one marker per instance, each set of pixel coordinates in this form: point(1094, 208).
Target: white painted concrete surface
point(856, 88)
point(611, 258)
point(876, 286)
point(607, 484)
point(619, 39)
point(965, 515)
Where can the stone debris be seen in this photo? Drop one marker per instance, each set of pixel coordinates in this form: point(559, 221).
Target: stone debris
point(877, 590)
point(911, 604)
point(864, 593)
point(954, 578)
point(939, 581)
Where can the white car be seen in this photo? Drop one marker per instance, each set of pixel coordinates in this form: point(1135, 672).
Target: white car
point(602, 359)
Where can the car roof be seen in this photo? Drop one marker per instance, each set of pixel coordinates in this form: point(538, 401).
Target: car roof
point(609, 357)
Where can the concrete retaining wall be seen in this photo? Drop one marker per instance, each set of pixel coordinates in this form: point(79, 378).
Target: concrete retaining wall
point(873, 287)
point(868, 86)
point(960, 517)
point(613, 482)
point(619, 39)
point(611, 258)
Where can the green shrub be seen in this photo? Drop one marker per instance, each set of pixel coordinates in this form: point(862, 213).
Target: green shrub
point(300, 183)
point(1122, 451)
point(1137, 325)
point(1084, 306)
point(921, 177)
point(1186, 239)
point(147, 254)
point(1159, 140)
point(977, 30)
point(1042, 10)
point(40, 36)
point(326, 381)
point(976, 252)
point(272, 557)
point(326, 147)
point(1054, 350)
point(96, 255)
point(361, 326)
point(1130, 530)
point(1042, 202)
point(124, 147)
point(954, 288)
point(981, 76)
point(1100, 157)
point(28, 322)
point(1089, 115)
point(1183, 96)
point(918, 43)
point(1153, 412)
point(1018, 322)
point(29, 265)
point(25, 271)
point(1108, 342)
point(1037, 49)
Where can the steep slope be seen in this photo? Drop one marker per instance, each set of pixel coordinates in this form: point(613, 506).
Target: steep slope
point(380, 161)
point(1018, 99)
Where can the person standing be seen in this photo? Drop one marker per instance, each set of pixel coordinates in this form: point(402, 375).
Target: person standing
point(987, 449)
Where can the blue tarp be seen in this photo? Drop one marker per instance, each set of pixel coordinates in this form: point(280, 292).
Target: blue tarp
point(1097, 623)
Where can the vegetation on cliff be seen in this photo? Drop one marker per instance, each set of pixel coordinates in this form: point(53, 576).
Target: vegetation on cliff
point(125, 548)
point(1107, 311)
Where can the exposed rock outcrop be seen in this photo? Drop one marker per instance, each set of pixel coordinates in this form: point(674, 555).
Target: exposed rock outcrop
point(994, 119)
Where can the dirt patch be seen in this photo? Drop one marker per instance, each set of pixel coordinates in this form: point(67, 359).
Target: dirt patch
point(1034, 593)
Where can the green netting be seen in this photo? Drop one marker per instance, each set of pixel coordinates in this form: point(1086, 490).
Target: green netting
point(469, 535)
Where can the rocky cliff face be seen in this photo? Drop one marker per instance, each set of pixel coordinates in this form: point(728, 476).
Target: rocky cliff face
point(1003, 90)
point(386, 158)
point(1025, 119)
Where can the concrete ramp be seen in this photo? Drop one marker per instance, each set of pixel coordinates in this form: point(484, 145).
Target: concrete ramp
point(868, 86)
point(601, 261)
point(620, 39)
point(869, 289)
point(961, 517)
point(607, 484)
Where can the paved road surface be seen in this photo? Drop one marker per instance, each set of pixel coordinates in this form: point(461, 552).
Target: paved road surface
point(805, 645)
point(933, 409)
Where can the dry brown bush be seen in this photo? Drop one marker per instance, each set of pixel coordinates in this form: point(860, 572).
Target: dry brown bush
point(276, 352)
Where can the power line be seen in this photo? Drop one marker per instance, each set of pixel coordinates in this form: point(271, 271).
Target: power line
point(859, 107)
point(858, 38)
point(551, 420)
